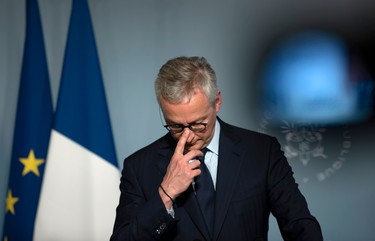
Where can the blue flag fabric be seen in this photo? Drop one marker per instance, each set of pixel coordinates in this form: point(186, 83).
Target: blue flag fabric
point(31, 134)
point(82, 112)
point(82, 177)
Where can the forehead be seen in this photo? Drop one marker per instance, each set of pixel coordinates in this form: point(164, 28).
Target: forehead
point(192, 110)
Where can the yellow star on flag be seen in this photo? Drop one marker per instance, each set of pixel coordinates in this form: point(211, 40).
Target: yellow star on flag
point(5, 238)
point(10, 201)
point(31, 164)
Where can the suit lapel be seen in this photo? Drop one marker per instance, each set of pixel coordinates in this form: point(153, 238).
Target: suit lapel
point(165, 153)
point(189, 201)
point(229, 166)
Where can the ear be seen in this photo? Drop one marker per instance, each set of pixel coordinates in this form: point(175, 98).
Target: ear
point(218, 101)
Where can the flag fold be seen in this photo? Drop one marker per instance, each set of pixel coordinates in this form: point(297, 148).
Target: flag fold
point(31, 133)
point(80, 191)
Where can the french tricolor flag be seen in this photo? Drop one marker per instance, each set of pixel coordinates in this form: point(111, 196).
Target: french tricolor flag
point(80, 188)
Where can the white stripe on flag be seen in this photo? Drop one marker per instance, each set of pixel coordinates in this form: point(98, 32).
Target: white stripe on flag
point(79, 195)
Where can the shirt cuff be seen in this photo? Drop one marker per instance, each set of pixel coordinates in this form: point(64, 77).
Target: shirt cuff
point(171, 211)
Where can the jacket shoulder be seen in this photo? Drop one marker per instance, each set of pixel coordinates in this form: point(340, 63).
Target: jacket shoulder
point(240, 133)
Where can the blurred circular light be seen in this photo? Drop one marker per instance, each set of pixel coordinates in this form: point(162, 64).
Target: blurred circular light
point(307, 79)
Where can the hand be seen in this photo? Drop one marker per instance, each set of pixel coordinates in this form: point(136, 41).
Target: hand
point(180, 172)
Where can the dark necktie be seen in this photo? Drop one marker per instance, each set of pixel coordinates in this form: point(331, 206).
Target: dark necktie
point(205, 193)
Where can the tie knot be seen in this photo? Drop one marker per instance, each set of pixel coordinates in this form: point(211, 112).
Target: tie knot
point(204, 150)
point(201, 158)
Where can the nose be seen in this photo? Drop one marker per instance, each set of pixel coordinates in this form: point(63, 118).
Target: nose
point(190, 137)
point(186, 129)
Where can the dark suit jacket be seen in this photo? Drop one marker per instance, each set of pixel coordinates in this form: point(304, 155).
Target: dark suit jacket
point(253, 180)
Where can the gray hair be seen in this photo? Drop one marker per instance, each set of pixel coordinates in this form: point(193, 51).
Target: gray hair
point(178, 78)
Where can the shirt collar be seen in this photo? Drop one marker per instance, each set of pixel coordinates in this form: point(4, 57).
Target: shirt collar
point(214, 144)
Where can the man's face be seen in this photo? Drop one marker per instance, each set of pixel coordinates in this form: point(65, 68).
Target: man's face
point(196, 110)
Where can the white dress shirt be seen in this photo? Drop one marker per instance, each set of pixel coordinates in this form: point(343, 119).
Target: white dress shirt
point(212, 156)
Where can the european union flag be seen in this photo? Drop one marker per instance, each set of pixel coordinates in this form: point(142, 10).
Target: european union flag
point(31, 134)
point(82, 177)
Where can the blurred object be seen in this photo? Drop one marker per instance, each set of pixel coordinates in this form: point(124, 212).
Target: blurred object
point(311, 77)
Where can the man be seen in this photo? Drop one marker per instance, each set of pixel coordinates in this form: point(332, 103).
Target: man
point(248, 177)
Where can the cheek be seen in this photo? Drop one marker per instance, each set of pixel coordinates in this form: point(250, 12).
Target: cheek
point(201, 139)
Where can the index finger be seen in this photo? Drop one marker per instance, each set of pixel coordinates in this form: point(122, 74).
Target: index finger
point(181, 143)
